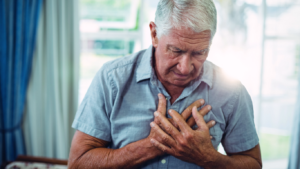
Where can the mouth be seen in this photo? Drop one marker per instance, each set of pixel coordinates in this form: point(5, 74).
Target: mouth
point(181, 76)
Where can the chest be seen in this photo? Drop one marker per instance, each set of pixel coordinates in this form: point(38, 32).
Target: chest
point(133, 112)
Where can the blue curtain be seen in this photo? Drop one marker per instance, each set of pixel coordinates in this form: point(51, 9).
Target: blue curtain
point(18, 27)
point(294, 159)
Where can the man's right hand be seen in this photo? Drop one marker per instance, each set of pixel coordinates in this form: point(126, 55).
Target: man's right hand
point(186, 115)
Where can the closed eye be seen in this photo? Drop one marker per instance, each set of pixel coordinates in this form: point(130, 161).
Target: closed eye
point(202, 52)
point(177, 51)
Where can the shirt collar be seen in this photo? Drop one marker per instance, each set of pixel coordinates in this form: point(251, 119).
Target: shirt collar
point(207, 73)
point(145, 70)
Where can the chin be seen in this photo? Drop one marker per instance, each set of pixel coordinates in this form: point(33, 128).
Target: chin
point(181, 83)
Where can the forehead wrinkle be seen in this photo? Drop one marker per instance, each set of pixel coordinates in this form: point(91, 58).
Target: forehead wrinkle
point(203, 34)
point(184, 48)
point(201, 42)
point(192, 39)
point(179, 40)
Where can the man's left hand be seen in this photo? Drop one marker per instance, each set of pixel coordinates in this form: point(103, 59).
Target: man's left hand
point(185, 143)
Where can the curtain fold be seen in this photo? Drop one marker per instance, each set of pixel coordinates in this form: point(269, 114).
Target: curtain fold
point(294, 158)
point(18, 23)
point(53, 88)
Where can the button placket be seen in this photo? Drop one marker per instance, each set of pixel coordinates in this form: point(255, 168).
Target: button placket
point(163, 162)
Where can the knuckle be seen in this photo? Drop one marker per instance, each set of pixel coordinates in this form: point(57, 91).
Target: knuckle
point(168, 129)
point(182, 142)
point(164, 139)
point(188, 136)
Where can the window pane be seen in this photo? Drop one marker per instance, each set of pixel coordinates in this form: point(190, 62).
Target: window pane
point(109, 30)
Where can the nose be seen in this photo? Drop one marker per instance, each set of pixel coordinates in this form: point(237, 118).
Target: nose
point(185, 65)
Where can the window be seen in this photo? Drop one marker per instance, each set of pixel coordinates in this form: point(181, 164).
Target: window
point(109, 29)
point(113, 28)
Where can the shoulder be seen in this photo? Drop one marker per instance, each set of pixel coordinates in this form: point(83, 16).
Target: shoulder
point(128, 62)
point(116, 74)
point(221, 81)
point(225, 87)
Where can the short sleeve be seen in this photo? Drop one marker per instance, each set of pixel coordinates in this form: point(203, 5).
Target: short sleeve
point(240, 133)
point(92, 116)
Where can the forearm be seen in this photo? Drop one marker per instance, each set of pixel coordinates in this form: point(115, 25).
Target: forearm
point(235, 161)
point(130, 156)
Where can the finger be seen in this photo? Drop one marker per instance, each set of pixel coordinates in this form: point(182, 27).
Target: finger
point(162, 104)
point(183, 126)
point(160, 146)
point(188, 111)
point(204, 110)
point(191, 122)
point(173, 123)
point(211, 123)
point(167, 126)
point(199, 118)
point(165, 138)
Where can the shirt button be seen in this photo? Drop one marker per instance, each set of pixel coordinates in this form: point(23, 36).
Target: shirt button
point(163, 161)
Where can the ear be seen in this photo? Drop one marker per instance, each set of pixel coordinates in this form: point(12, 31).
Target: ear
point(153, 34)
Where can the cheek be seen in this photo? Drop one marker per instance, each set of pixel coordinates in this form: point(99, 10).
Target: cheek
point(199, 62)
point(198, 66)
point(167, 62)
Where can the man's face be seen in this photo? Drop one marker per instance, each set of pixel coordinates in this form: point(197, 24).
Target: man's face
point(179, 56)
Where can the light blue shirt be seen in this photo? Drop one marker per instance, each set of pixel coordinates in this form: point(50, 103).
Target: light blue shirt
point(119, 106)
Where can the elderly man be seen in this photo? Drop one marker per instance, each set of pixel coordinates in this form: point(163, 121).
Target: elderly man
point(141, 110)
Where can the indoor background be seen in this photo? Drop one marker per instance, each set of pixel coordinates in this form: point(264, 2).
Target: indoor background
point(257, 42)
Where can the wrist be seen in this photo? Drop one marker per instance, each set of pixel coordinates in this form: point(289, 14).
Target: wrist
point(151, 149)
point(213, 160)
point(144, 150)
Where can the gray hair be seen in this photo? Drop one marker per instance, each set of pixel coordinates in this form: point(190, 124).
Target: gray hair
point(198, 15)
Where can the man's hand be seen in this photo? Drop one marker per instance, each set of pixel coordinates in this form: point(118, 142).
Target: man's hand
point(186, 114)
point(195, 145)
point(184, 143)
point(161, 109)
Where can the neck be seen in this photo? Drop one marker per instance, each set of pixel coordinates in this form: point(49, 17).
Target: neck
point(174, 91)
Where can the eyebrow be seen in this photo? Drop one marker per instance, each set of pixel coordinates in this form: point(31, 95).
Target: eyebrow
point(176, 48)
point(203, 50)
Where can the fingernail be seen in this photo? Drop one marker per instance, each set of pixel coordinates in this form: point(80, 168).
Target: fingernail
point(170, 111)
point(151, 140)
point(201, 101)
point(208, 107)
point(155, 113)
point(151, 124)
point(213, 122)
point(160, 96)
point(211, 137)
